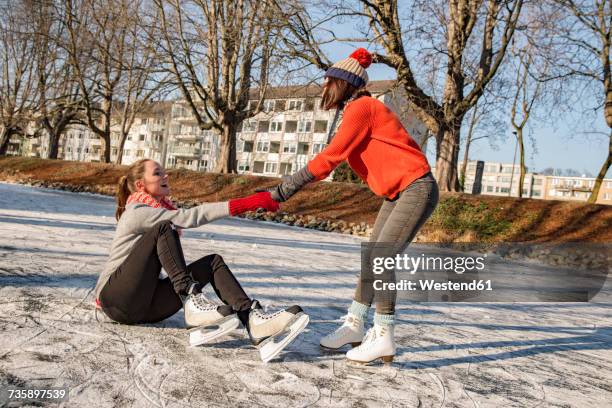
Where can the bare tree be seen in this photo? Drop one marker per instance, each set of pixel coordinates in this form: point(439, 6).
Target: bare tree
point(217, 51)
point(17, 90)
point(110, 62)
point(59, 102)
point(579, 49)
point(527, 92)
point(457, 44)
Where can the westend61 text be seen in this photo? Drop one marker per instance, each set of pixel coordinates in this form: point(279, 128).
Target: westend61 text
point(433, 285)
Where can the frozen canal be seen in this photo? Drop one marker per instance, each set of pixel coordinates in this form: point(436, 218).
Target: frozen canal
point(53, 245)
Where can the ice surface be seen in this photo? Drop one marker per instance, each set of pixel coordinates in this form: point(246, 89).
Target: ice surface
point(53, 245)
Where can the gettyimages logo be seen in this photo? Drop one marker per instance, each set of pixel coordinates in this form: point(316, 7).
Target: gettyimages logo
point(485, 272)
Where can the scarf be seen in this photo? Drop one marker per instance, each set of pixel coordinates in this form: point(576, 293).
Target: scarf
point(147, 199)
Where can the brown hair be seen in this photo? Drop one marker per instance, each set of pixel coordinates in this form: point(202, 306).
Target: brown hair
point(338, 91)
point(127, 185)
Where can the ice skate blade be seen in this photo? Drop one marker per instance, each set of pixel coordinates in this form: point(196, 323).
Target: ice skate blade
point(386, 360)
point(203, 335)
point(269, 349)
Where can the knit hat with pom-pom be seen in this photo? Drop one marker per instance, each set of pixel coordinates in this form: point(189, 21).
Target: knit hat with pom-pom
point(353, 68)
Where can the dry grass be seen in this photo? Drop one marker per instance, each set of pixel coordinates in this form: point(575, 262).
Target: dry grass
point(458, 218)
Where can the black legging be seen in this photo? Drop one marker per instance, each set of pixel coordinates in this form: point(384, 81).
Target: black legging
point(135, 294)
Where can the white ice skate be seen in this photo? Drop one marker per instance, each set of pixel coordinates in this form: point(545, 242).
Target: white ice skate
point(379, 342)
point(209, 321)
point(265, 328)
point(351, 332)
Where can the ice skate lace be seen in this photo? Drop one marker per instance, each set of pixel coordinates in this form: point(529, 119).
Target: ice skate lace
point(266, 316)
point(201, 302)
point(369, 338)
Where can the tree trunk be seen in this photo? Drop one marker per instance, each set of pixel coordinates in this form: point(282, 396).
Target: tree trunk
point(54, 138)
point(465, 160)
point(521, 145)
point(122, 139)
point(602, 174)
point(447, 157)
point(107, 148)
point(226, 162)
point(5, 136)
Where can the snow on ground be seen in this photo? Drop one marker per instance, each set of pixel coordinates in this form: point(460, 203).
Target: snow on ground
point(53, 244)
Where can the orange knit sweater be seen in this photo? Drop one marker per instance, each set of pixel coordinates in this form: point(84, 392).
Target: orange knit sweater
point(377, 147)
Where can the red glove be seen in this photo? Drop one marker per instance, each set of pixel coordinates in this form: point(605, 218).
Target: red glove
point(253, 202)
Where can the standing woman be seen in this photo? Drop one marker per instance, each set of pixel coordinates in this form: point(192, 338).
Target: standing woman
point(373, 141)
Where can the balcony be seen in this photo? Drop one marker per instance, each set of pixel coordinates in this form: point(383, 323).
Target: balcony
point(187, 136)
point(184, 151)
point(573, 188)
point(247, 136)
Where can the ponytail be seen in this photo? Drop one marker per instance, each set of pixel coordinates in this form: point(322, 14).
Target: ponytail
point(127, 186)
point(123, 192)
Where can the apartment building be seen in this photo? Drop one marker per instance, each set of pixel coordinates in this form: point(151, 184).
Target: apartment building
point(292, 128)
point(147, 136)
point(188, 146)
point(502, 179)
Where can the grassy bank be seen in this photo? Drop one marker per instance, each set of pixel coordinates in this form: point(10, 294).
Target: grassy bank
point(458, 217)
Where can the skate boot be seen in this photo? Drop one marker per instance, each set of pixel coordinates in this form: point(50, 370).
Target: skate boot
point(208, 320)
point(378, 343)
point(266, 330)
point(351, 332)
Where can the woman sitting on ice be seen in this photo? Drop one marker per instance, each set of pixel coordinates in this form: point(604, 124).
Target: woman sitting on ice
point(130, 289)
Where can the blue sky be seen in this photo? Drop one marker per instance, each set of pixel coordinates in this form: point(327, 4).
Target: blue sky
point(566, 145)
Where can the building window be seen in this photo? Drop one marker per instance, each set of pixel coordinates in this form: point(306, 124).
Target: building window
point(268, 105)
point(295, 105)
point(140, 153)
point(304, 126)
point(303, 148)
point(274, 147)
point(271, 167)
point(206, 147)
point(286, 168)
point(309, 104)
point(320, 126)
point(489, 189)
point(263, 146)
point(248, 147)
point(189, 162)
point(80, 135)
point(129, 137)
point(249, 126)
point(276, 126)
point(263, 126)
point(142, 138)
point(535, 193)
point(243, 166)
point(126, 152)
point(606, 196)
point(69, 149)
point(318, 147)
point(504, 190)
point(258, 167)
point(290, 126)
point(289, 147)
point(608, 184)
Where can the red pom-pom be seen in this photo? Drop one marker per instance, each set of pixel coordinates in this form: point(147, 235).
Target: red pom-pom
point(362, 56)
